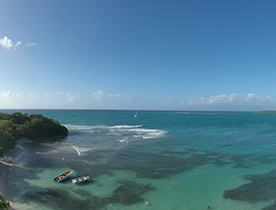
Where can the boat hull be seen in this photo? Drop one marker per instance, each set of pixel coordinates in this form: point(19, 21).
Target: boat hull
point(80, 179)
point(63, 176)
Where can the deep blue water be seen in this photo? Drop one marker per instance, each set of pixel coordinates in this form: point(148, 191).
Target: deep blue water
point(175, 160)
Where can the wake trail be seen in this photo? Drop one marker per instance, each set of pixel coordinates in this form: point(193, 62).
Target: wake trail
point(76, 150)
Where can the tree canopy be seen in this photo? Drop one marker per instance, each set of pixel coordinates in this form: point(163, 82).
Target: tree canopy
point(4, 202)
point(35, 126)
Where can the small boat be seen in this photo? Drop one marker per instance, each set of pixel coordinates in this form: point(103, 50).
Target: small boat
point(63, 176)
point(136, 115)
point(80, 179)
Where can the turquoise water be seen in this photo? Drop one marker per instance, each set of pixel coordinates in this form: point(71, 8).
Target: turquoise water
point(173, 160)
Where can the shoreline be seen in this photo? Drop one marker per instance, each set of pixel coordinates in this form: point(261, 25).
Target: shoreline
point(7, 163)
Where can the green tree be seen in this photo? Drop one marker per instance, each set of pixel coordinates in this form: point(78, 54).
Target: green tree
point(4, 116)
point(16, 126)
point(4, 202)
point(34, 126)
point(7, 142)
point(19, 118)
point(10, 127)
point(5, 124)
point(42, 127)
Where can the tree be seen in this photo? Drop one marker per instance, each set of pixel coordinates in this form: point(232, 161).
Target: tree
point(34, 126)
point(4, 202)
point(19, 118)
point(7, 142)
point(16, 126)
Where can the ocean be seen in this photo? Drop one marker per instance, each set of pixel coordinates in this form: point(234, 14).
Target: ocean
point(173, 160)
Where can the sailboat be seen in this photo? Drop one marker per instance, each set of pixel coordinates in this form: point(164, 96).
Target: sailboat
point(136, 115)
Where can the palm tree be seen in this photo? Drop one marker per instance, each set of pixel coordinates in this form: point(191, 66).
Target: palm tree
point(4, 202)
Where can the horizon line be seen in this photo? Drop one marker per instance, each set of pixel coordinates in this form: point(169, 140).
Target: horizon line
point(161, 110)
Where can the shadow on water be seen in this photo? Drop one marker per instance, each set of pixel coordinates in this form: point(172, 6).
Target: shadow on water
point(260, 188)
point(39, 163)
point(54, 198)
point(19, 184)
point(87, 182)
point(145, 164)
point(157, 166)
point(127, 193)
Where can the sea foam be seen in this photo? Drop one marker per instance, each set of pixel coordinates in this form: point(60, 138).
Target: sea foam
point(129, 132)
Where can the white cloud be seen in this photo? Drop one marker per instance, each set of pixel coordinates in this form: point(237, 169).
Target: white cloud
point(118, 95)
point(58, 93)
point(232, 99)
point(98, 95)
point(34, 95)
point(47, 94)
point(31, 44)
point(9, 96)
point(9, 44)
point(128, 98)
point(6, 42)
point(17, 45)
point(73, 98)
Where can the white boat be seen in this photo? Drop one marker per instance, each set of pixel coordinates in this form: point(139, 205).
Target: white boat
point(63, 176)
point(136, 115)
point(80, 179)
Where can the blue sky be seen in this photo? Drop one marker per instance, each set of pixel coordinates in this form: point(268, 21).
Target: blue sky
point(138, 54)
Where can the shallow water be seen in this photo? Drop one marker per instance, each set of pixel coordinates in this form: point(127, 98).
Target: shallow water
point(174, 160)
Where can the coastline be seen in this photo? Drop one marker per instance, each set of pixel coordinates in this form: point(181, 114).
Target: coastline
point(267, 111)
point(8, 162)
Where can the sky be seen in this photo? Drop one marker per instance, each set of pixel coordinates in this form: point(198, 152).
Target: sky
point(192, 55)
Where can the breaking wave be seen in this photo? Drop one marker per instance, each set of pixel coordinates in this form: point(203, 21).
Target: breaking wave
point(127, 132)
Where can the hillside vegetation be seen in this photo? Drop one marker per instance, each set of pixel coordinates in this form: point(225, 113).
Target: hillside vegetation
point(268, 111)
point(4, 202)
point(35, 126)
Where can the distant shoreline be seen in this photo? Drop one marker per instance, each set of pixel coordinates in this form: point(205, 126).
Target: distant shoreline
point(126, 110)
point(267, 111)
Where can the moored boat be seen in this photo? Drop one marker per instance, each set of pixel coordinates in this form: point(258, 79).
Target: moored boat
point(136, 115)
point(63, 176)
point(80, 179)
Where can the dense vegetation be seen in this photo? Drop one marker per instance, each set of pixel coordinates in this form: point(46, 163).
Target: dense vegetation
point(4, 202)
point(35, 126)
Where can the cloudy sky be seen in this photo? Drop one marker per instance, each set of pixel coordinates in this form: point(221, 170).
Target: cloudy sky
point(138, 54)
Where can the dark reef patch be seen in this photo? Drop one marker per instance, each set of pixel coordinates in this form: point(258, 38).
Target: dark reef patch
point(224, 145)
point(220, 162)
point(129, 193)
point(54, 198)
point(156, 165)
point(271, 207)
point(191, 150)
point(38, 163)
point(260, 188)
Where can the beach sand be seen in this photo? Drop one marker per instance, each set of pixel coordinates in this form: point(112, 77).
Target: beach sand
point(8, 162)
